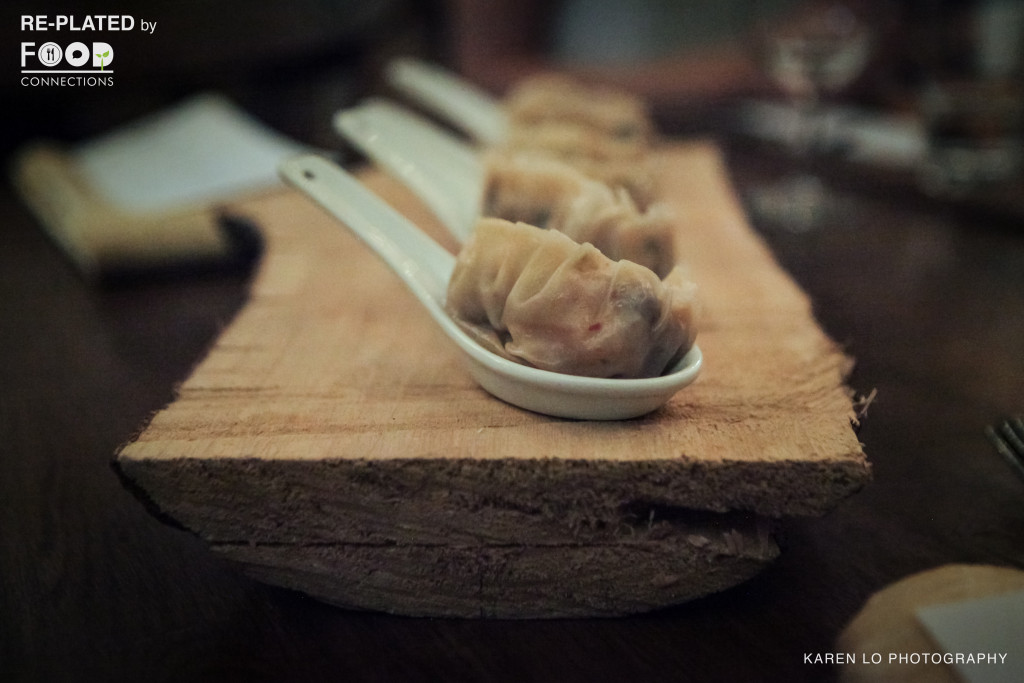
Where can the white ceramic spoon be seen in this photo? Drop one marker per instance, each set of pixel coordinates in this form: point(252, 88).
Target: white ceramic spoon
point(445, 172)
point(426, 267)
point(450, 97)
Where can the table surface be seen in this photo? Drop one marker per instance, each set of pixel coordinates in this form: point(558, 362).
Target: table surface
point(928, 298)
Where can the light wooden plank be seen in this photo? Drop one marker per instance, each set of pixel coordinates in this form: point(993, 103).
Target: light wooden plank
point(331, 414)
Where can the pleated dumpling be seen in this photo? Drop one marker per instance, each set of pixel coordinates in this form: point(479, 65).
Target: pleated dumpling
point(611, 221)
point(575, 144)
point(528, 187)
point(604, 132)
point(536, 189)
point(539, 298)
point(550, 98)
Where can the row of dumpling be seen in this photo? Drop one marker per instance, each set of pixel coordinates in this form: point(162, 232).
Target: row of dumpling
point(572, 267)
point(606, 134)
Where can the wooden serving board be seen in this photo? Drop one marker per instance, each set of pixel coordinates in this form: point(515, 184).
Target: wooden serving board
point(332, 442)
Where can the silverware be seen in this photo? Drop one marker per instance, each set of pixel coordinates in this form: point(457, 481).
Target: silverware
point(1008, 439)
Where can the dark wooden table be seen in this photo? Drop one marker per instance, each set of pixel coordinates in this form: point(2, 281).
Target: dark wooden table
point(930, 301)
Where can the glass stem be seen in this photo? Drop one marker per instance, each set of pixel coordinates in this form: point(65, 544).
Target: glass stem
point(805, 141)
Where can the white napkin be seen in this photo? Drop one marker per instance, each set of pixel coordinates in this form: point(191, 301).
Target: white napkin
point(202, 151)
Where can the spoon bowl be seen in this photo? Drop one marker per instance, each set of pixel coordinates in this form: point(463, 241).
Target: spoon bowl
point(425, 267)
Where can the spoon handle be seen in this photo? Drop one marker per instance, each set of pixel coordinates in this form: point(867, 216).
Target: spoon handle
point(452, 98)
point(423, 264)
point(442, 170)
point(458, 156)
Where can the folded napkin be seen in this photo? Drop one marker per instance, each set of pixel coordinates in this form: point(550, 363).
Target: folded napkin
point(150, 194)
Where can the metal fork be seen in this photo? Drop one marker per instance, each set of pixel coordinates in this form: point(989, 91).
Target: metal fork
point(1008, 439)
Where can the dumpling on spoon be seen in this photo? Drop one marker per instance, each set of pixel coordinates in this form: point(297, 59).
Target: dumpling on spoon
point(536, 189)
point(635, 177)
point(537, 297)
point(550, 98)
point(606, 134)
point(575, 143)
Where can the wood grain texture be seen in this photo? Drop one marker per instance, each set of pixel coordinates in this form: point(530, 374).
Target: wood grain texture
point(669, 563)
point(332, 420)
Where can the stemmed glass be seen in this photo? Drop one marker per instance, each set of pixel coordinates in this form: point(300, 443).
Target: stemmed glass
point(817, 51)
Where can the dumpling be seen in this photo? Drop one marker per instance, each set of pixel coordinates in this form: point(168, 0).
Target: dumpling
point(612, 113)
point(528, 187)
point(615, 164)
point(545, 192)
point(539, 298)
point(635, 176)
point(605, 133)
point(611, 222)
point(575, 143)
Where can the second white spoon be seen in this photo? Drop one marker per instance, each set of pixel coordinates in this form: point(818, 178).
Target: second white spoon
point(450, 97)
point(443, 171)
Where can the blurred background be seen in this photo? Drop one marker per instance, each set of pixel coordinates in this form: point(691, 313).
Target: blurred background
point(920, 95)
point(294, 65)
